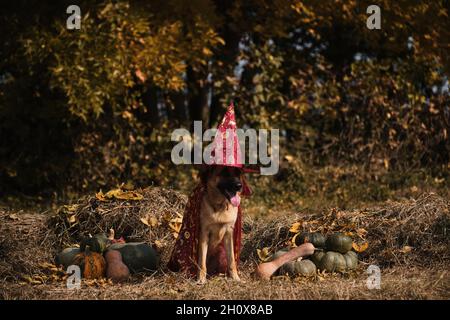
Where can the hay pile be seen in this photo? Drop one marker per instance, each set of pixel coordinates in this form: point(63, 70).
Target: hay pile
point(25, 244)
point(413, 231)
point(152, 215)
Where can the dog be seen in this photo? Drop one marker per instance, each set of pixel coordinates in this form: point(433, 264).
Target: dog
point(218, 214)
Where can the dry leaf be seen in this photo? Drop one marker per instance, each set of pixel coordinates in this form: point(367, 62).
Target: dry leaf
point(119, 194)
point(72, 218)
point(145, 221)
point(13, 217)
point(294, 239)
point(100, 196)
point(360, 247)
point(263, 254)
point(406, 249)
point(46, 265)
point(175, 226)
point(289, 158)
point(361, 232)
point(295, 227)
point(153, 221)
point(123, 195)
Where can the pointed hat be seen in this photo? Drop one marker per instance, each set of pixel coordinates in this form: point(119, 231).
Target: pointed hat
point(226, 149)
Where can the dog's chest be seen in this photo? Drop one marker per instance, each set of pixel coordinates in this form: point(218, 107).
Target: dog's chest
point(222, 216)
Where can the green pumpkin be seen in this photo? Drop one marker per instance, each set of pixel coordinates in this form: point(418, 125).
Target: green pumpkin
point(339, 242)
point(288, 269)
point(97, 243)
point(65, 258)
point(333, 262)
point(317, 256)
point(137, 256)
point(317, 239)
point(296, 268)
point(305, 267)
point(351, 259)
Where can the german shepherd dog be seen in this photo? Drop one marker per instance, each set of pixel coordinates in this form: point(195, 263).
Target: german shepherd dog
point(218, 214)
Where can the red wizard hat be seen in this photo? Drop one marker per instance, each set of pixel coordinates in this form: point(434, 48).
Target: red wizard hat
point(226, 147)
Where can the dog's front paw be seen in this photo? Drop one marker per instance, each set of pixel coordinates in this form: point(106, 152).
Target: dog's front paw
point(201, 280)
point(235, 277)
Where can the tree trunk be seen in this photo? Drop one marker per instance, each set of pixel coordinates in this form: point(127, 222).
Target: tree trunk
point(198, 97)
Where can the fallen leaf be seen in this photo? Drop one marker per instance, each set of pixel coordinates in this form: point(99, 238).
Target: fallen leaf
point(145, 221)
point(360, 247)
point(295, 227)
point(13, 217)
point(289, 158)
point(406, 249)
point(100, 196)
point(263, 254)
point(72, 218)
point(46, 265)
point(361, 232)
point(175, 226)
point(153, 221)
point(294, 238)
point(123, 195)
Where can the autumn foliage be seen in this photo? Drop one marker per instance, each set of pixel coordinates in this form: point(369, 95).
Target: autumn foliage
point(85, 109)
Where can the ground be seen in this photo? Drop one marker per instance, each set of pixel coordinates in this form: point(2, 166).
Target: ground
point(396, 283)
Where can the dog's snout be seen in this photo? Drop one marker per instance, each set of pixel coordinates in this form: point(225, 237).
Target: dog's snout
point(237, 185)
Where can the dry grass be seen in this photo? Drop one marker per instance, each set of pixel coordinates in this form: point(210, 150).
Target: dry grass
point(396, 283)
point(27, 240)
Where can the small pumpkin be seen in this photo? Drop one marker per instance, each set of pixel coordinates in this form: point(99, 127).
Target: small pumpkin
point(92, 264)
point(305, 267)
point(287, 268)
point(351, 259)
point(317, 256)
point(65, 258)
point(97, 243)
point(116, 270)
point(339, 242)
point(301, 267)
point(137, 256)
point(316, 238)
point(333, 262)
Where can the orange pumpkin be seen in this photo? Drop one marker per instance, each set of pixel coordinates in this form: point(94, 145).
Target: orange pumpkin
point(92, 264)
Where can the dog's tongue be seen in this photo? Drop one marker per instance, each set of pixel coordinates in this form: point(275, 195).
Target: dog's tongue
point(236, 200)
